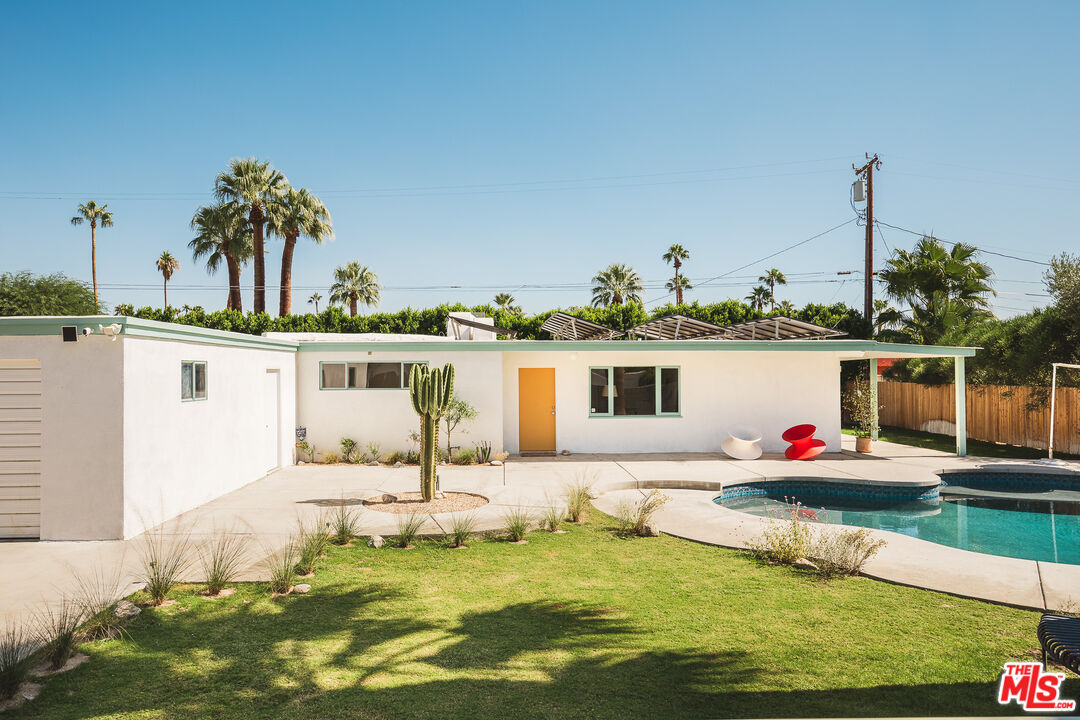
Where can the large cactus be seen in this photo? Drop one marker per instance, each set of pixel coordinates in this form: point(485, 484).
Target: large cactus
point(430, 392)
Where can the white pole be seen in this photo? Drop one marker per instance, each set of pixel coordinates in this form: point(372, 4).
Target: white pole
point(1053, 398)
point(1053, 393)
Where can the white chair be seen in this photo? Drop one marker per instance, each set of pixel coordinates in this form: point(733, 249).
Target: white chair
point(742, 443)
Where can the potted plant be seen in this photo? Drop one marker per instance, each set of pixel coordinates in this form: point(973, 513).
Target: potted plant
point(859, 405)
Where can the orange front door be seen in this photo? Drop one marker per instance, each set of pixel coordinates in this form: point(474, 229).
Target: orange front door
point(536, 409)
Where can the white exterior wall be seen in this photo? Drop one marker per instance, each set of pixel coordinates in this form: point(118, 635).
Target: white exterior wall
point(179, 454)
point(770, 390)
point(82, 438)
point(386, 415)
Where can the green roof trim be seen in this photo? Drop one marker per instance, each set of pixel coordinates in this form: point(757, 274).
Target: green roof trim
point(155, 330)
point(852, 346)
point(139, 328)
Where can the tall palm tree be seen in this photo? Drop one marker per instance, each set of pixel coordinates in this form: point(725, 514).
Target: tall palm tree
point(259, 190)
point(677, 285)
point(96, 215)
point(355, 283)
point(617, 284)
point(314, 300)
point(167, 265)
point(758, 297)
point(300, 213)
point(676, 254)
point(222, 232)
point(773, 278)
point(945, 288)
point(506, 302)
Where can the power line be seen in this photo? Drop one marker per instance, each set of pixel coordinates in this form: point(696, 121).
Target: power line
point(767, 257)
point(950, 242)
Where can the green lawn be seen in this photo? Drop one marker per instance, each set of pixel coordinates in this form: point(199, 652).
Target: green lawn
point(581, 625)
point(947, 443)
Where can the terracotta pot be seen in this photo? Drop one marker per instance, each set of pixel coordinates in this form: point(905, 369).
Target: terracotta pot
point(864, 444)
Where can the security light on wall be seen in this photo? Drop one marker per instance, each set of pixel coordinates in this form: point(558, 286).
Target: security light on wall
point(111, 331)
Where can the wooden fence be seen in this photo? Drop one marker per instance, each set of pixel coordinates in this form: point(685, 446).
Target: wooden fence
point(995, 413)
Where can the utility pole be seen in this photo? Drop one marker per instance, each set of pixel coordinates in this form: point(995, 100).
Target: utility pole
point(872, 163)
point(867, 170)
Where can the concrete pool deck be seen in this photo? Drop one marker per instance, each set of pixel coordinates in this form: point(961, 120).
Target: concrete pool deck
point(268, 510)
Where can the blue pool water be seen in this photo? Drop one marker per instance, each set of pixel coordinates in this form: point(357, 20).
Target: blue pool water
point(1022, 522)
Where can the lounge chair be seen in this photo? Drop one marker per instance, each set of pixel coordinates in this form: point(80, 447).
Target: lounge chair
point(1059, 636)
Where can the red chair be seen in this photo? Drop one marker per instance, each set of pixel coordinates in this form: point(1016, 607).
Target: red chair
point(803, 444)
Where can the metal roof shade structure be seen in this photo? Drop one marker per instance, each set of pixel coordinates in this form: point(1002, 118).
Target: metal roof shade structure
point(678, 327)
point(481, 326)
point(780, 328)
point(567, 327)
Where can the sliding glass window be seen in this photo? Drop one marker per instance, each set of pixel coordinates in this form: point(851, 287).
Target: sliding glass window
point(634, 391)
point(364, 375)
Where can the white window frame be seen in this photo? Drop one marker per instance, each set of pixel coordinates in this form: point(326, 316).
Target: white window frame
point(206, 380)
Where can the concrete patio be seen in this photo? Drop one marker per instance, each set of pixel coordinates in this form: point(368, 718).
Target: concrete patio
point(269, 510)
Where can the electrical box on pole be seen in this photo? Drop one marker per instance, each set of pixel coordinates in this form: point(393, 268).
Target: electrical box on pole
point(867, 172)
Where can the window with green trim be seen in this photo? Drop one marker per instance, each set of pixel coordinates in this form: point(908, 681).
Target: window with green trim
point(192, 380)
point(636, 391)
point(365, 375)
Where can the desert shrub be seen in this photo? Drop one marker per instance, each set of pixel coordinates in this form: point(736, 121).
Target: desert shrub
point(552, 516)
point(645, 508)
point(164, 559)
point(97, 594)
point(348, 450)
point(483, 452)
point(462, 527)
point(395, 456)
point(58, 631)
point(412, 457)
point(517, 521)
point(311, 542)
point(303, 447)
point(221, 558)
point(501, 455)
point(374, 452)
point(408, 529)
point(578, 497)
point(343, 523)
point(280, 567)
point(331, 458)
point(17, 648)
point(785, 538)
point(465, 456)
point(625, 511)
point(843, 552)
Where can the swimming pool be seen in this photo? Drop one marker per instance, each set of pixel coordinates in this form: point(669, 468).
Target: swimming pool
point(1023, 516)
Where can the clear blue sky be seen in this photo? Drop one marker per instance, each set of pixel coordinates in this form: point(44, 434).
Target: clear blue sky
point(499, 144)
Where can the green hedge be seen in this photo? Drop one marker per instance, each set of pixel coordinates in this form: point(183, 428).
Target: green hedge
point(432, 321)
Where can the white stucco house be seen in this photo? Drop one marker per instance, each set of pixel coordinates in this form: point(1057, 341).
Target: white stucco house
point(110, 425)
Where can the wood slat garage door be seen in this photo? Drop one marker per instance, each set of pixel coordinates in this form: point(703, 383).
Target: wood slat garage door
point(20, 448)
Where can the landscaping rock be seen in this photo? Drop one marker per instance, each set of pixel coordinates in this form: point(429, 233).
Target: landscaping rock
point(376, 541)
point(126, 610)
point(496, 462)
point(373, 463)
point(399, 464)
point(650, 530)
point(300, 589)
point(804, 564)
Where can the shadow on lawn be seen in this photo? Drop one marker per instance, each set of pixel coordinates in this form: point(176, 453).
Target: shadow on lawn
point(340, 653)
